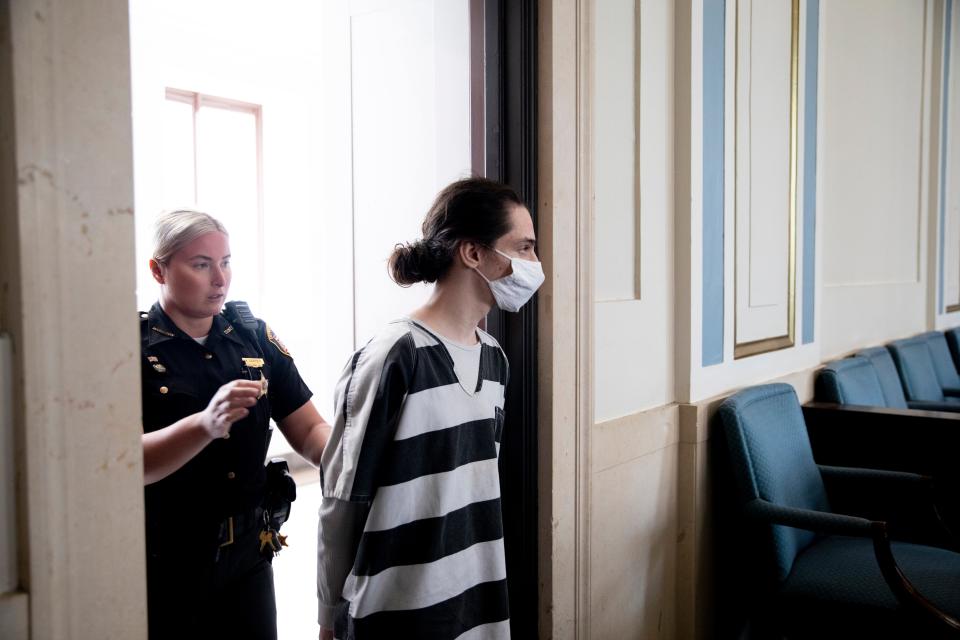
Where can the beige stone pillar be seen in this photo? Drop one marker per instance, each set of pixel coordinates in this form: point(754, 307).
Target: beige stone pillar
point(66, 186)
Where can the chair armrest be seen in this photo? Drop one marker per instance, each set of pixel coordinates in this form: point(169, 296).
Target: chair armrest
point(809, 519)
point(932, 405)
point(831, 523)
point(903, 478)
point(907, 502)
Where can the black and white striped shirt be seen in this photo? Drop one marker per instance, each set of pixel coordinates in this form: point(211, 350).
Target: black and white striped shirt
point(411, 533)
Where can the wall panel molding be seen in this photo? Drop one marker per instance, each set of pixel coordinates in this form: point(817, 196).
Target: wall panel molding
point(616, 84)
point(948, 277)
point(872, 186)
point(767, 120)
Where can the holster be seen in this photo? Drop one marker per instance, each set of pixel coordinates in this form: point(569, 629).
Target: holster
point(281, 491)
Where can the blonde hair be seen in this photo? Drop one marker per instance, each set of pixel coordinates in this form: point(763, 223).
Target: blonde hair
point(175, 229)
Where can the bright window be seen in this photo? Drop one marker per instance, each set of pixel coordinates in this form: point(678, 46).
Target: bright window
point(211, 161)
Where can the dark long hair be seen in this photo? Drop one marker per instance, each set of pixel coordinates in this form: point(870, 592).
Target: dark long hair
point(472, 209)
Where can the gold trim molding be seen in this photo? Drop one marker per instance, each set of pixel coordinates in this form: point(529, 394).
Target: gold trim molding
point(766, 345)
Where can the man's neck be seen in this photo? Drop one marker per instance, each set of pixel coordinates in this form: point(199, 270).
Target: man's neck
point(453, 312)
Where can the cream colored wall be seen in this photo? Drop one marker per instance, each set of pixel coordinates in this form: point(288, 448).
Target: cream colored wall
point(740, 267)
point(634, 443)
point(875, 154)
point(649, 496)
point(633, 204)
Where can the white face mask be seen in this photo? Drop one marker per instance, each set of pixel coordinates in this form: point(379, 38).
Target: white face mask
point(513, 291)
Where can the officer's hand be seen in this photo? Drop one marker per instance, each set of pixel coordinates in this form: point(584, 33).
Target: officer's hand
point(326, 634)
point(230, 403)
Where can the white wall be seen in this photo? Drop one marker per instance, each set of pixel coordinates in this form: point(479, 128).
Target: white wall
point(750, 258)
point(875, 112)
point(947, 160)
point(874, 150)
point(634, 459)
point(763, 191)
point(632, 170)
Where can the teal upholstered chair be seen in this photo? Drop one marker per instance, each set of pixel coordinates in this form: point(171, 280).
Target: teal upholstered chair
point(852, 381)
point(918, 372)
point(889, 377)
point(943, 364)
point(834, 575)
point(952, 337)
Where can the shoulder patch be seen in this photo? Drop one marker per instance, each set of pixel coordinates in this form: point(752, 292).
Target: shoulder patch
point(275, 341)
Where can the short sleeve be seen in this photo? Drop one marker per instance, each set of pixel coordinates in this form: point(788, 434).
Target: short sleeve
point(368, 401)
point(287, 390)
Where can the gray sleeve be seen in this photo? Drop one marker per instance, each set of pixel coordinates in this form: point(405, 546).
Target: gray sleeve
point(338, 535)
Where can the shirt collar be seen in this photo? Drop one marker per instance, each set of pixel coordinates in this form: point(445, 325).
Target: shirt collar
point(222, 327)
point(161, 328)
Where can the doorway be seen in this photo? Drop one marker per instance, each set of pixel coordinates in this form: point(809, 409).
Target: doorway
point(320, 133)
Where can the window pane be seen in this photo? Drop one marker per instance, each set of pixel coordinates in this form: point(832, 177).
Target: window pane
point(178, 173)
point(227, 188)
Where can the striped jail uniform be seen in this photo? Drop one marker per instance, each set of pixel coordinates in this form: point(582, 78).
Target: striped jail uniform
point(411, 531)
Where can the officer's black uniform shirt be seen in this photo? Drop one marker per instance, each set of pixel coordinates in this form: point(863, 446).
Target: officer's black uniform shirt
point(179, 377)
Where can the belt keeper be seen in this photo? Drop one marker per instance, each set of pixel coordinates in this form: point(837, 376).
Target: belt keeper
point(229, 532)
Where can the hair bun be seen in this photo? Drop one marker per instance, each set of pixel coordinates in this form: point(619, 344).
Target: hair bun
point(420, 261)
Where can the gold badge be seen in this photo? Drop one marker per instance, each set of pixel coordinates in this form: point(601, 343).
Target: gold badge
point(272, 337)
point(159, 367)
point(153, 359)
point(264, 386)
point(253, 363)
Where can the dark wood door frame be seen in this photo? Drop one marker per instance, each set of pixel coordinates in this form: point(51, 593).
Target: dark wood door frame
point(509, 43)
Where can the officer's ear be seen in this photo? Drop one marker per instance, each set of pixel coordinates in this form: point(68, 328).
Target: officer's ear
point(157, 271)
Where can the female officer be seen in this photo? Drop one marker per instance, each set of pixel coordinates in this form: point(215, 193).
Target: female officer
point(210, 387)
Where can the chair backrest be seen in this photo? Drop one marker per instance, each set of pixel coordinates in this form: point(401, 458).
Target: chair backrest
point(771, 459)
point(942, 360)
point(850, 381)
point(889, 377)
point(915, 364)
point(953, 341)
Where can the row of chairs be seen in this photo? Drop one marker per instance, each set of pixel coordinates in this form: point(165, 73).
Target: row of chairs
point(853, 498)
point(917, 373)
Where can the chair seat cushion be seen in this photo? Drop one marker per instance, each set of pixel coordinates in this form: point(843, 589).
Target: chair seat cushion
point(843, 570)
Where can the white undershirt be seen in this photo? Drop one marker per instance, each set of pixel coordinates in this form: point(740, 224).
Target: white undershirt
point(466, 361)
point(203, 340)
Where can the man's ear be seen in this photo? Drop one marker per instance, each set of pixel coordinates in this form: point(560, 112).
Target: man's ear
point(157, 271)
point(470, 253)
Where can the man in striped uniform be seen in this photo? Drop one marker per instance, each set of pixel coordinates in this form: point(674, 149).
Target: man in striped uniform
point(411, 533)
